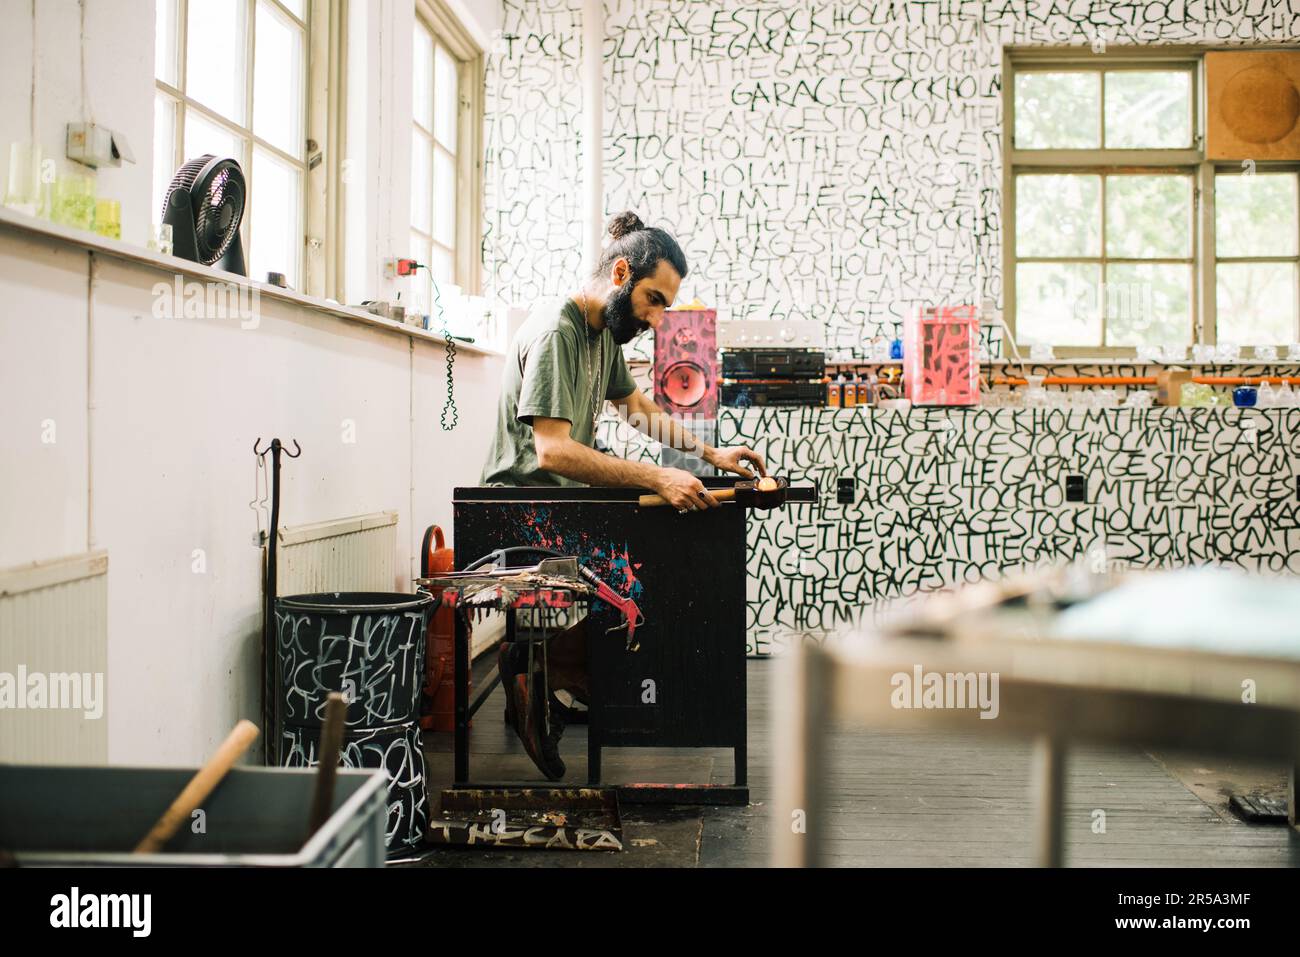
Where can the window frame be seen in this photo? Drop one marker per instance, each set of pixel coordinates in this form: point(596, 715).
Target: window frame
point(183, 103)
point(448, 32)
point(1105, 162)
point(1213, 259)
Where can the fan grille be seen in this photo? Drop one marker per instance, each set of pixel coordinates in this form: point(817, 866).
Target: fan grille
point(216, 192)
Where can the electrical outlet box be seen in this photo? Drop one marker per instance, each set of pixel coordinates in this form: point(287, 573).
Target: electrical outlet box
point(1076, 488)
point(846, 491)
point(400, 268)
point(97, 146)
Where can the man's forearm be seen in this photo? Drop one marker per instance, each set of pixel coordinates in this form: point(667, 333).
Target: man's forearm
point(576, 461)
point(676, 435)
point(647, 417)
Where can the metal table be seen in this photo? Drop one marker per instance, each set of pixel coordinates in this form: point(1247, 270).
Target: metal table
point(685, 686)
point(1051, 690)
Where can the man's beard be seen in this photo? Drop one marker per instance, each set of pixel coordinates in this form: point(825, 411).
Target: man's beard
point(619, 320)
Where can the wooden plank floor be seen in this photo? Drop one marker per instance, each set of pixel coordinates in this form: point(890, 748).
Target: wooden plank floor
point(898, 799)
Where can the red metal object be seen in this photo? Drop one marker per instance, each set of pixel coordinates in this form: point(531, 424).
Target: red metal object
point(626, 606)
point(440, 689)
point(537, 598)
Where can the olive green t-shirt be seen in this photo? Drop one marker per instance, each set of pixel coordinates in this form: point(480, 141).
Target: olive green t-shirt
point(548, 372)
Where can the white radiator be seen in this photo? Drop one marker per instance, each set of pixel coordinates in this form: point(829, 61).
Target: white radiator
point(346, 554)
point(53, 660)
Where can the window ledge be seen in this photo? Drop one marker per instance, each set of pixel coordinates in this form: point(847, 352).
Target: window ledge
point(172, 265)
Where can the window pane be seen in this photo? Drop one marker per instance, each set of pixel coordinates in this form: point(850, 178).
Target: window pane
point(1058, 110)
point(1058, 303)
point(422, 78)
point(1148, 303)
point(440, 267)
point(296, 7)
point(1256, 303)
point(278, 102)
point(1149, 110)
point(419, 284)
point(445, 89)
point(204, 136)
point(1058, 215)
point(421, 181)
point(1255, 215)
point(1149, 217)
point(444, 205)
point(164, 151)
point(165, 46)
point(215, 56)
point(276, 236)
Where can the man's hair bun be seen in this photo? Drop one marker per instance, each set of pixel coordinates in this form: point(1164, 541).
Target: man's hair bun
point(624, 223)
point(642, 246)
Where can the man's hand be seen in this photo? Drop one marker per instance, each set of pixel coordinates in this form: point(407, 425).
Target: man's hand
point(683, 491)
point(733, 459)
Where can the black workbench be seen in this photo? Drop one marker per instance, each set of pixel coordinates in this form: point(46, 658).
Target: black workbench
point(685, 686)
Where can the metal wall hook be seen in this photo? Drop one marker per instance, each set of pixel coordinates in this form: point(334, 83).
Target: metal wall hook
point(277, 446)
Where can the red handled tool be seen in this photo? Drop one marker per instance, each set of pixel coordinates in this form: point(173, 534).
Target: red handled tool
point(626, 606)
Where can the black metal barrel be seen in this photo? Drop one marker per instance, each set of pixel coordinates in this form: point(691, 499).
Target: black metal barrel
point(370, 646)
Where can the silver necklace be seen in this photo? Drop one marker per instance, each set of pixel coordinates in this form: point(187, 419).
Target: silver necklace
point(592, 381)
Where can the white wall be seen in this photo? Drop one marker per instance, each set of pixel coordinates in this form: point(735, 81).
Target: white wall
point(177, 405)
point(482, 18)
point(43, 381)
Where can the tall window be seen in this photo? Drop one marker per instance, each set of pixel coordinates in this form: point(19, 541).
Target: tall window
point(446, 180)
point(232, 81)
point(1257, 259)
point(1110, 242)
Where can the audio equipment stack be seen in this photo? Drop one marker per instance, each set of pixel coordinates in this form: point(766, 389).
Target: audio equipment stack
point(767, 362)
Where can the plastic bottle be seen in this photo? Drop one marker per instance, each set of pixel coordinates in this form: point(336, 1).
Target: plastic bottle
point(863, 391)
point(1285, 396)
point(1267, 397)
point(835, 392)
point(851, 392)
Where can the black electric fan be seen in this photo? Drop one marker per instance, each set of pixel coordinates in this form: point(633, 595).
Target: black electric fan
point(204, 206)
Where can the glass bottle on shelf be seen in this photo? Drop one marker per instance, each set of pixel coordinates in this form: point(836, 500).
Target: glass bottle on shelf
point(1267, 395)
point(1036, 396)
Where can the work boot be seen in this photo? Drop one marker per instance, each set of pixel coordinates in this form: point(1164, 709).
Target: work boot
point(526, 712)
